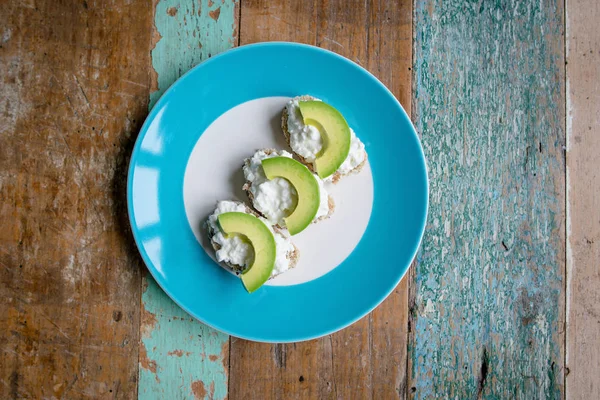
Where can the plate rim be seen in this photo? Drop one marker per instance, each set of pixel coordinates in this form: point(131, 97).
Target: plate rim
point(142, 133)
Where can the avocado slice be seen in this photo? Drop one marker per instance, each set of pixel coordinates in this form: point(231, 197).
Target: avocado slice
point(261, 239)
point(306, 186)
point(335, 133)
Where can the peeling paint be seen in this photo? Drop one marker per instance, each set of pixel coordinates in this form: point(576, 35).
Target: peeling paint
point(198, 390)
point(173, 353)
point(179, 343)
point(177, 37)
point(488, 90)
point(149, 321)
point(214, 14)
point(145, 362)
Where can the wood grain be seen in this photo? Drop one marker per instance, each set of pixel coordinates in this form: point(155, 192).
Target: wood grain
point(287, 371)
point(265, 20)
point(74, 93)
point(488, 314)
point(389, 48)
point(368, 359)
point(179, 356)
point(583, 195)
point(487, 308)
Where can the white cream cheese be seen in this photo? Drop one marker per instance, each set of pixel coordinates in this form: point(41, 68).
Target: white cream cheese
point(276, 199)
point(236, 251)
point(306, 140)
point(356, 156)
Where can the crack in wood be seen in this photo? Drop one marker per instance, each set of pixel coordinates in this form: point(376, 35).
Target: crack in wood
point(483, 373)
point(279, 352)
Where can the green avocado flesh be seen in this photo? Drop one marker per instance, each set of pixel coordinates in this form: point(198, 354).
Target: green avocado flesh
point(335, 133)
point(306, 186)
point(261, 239)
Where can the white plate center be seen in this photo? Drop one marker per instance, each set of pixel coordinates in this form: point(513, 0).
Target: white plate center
point(214, 172)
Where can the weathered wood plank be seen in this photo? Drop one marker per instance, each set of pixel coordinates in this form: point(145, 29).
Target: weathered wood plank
point(488, 96)
point(342, 27)
point(180, 357)
point(287, 371)
point(583, 200)
point(264, 20)
point(74, 92)
point(390, 59)
point(368, 359)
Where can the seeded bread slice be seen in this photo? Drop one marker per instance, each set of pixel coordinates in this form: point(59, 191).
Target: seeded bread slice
point(293, 255)
point(248, 185)
point(284, 127)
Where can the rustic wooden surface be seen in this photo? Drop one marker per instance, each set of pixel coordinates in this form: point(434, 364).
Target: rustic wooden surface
point(181, 357)
point(583, 193)
point(73, 95)
point(488, 313)
point(79, 318)
point(368, 359)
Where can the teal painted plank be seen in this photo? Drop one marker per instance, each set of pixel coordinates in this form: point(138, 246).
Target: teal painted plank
point(488, 314)
point(181, 358)
point(191, 32)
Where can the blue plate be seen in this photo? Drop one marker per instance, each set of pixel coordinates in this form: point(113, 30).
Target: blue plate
point(277, 313)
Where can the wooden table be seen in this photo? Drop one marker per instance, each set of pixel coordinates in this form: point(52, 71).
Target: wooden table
point(503, 300)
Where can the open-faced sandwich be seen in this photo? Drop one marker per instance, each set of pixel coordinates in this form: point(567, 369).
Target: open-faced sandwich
point(321, 138)
point(284, 191)
point(248, 244)
point(286, 196)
